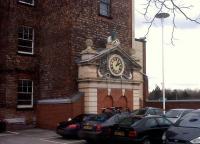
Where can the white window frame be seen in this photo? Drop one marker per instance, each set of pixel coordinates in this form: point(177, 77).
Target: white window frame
point(24, 2)
point(25, 106)
point(32, 40)
point(108, 10)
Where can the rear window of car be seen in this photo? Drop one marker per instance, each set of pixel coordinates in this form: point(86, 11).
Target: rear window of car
point(129, 121)
point(100, 118)
point(173, 113)
point(88, 117)
point(140, 112)
point(163, 122)
point(189, 120)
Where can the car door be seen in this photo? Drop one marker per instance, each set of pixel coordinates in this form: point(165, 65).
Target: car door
point(150, 129)
point(163, 124)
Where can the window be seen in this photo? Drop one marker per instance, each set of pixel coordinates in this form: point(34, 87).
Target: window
point(105, 7)
point(25, 40)
point(163, 122)
point(29, 2)
point(25, 94)
point(151, 123)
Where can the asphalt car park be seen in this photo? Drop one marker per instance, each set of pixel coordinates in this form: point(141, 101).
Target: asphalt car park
point(35, 136)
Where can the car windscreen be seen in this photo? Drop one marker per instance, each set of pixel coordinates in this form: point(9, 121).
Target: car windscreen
point(129, 121)
point(173, 113)
point(189, 120)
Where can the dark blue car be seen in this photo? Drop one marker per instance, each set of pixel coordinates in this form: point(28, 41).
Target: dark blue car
point(186, 130)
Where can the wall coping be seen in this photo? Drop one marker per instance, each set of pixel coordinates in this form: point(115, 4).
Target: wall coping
point(194, 100)
point(67, 100)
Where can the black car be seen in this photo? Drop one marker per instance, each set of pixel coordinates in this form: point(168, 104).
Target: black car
point(186, 130)
point(98, 128)
point(70, 128)
point(148, 111)
point(140, 130)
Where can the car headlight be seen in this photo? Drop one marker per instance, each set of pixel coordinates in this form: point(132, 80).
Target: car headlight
point(195, 141)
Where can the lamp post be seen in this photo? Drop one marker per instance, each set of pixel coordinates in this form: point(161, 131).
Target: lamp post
point(162, 16)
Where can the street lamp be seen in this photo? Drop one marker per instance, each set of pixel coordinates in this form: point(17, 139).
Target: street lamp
point(162, 16)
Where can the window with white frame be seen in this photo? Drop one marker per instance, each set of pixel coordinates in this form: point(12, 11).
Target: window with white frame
point(25, 94)
point(29, 2)
point(25, 40)
point(105, 8)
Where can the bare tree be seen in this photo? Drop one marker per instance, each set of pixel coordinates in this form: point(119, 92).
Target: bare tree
point(174, 7)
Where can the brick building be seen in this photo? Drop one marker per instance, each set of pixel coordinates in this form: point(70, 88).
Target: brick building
point(42, 70)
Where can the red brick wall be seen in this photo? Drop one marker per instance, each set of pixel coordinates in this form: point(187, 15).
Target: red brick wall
point(171, 105)
point(48, 115)
point(61, 28)
point(65, 25)
point(14, 66)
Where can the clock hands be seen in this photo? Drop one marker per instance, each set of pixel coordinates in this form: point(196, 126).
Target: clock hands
point(118, 62)
point(116, 65)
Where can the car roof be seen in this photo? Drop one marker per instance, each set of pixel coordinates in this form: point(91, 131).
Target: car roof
point(197, 110)
point(181, 109)
point(151, 108)
point(148, 116)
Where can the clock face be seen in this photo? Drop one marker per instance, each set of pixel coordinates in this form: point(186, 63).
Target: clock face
point(116, 65)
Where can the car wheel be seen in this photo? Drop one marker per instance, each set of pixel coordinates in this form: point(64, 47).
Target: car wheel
point(146, 141)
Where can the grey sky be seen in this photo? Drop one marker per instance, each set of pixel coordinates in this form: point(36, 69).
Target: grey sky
point(182, 68)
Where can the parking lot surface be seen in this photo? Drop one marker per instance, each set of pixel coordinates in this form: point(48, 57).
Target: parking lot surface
point(35, 136)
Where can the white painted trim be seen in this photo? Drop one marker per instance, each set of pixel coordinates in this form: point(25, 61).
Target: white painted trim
point(32, 4)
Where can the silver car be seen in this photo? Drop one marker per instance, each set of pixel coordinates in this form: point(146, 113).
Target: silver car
point(174, 114)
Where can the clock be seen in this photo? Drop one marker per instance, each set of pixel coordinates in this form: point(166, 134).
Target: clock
point(116, 65)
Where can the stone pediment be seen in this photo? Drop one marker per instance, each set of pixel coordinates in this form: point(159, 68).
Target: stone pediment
point(112, 63)
point(106, 52)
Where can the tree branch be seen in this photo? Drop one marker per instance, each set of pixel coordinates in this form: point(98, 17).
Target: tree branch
point(169, 6)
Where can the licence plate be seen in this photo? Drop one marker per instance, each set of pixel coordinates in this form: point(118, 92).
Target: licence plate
point(119, 133)
point(87, 127)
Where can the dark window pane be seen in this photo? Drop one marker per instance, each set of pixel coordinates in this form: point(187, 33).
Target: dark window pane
point(24, 96)
point(30, 89)
point(29, 83)
point(105, 7)
point(25, 43)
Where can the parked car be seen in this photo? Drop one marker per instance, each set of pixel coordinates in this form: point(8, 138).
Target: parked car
point(115, 109)
point(148, 111)
point(140, 129)
point(70, 127)
point(186, 130)
point(174, 114)
point(2, 125)
point(98, 128)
